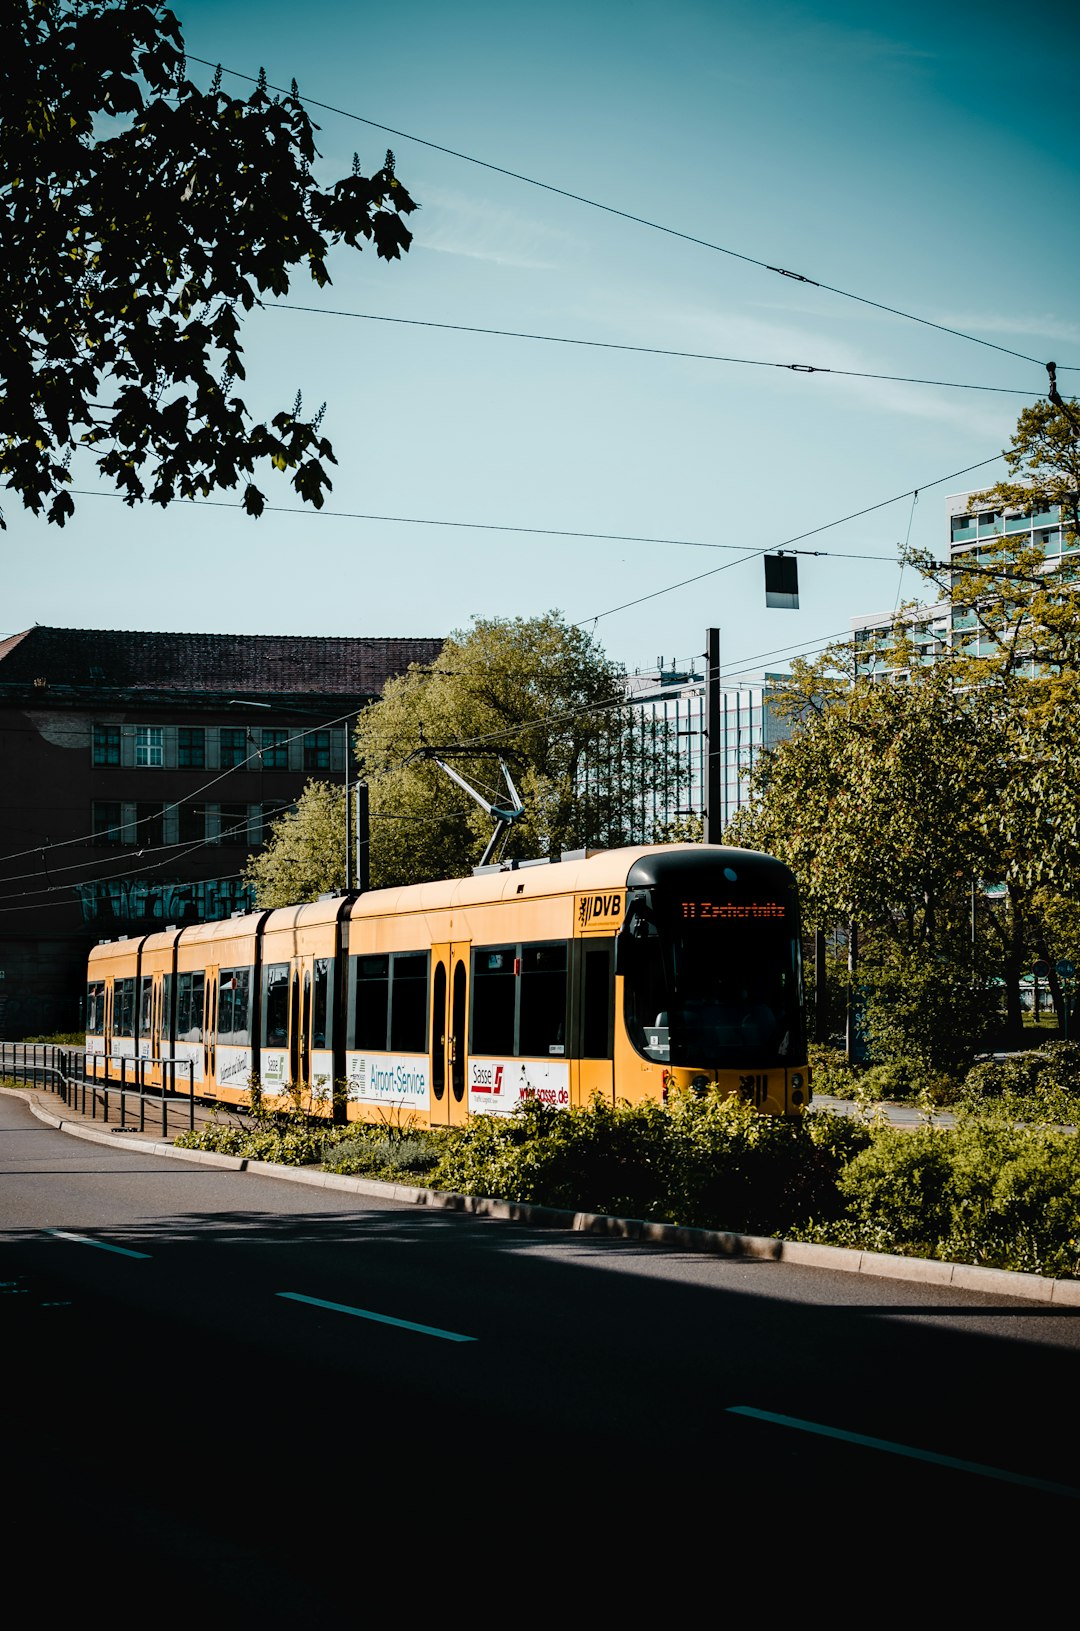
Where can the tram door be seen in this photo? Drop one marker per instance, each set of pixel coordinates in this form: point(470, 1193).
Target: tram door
point(449, 1033)
point(307, 1021)
point(150, 1010)
point(107, 1026)
point(298, 1051)
point(159, 1022)
point(157, 1017)
point(210, 1011)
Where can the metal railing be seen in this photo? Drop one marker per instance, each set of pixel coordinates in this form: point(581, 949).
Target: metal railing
point(91, 1082)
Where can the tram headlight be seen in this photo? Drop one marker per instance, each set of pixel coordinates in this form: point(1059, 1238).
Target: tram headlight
point(700, 1085)
point(796, 1087)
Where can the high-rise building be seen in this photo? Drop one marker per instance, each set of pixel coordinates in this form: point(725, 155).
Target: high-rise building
point(673, 694)
point(974, 536)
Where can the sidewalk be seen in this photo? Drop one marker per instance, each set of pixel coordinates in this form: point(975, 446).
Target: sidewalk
point(106, 1097)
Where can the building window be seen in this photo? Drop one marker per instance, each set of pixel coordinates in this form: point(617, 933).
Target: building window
point(233, 826)
point(191, 747)
point(108, 824)
point(150, 825)
point(317, 750)
point(268, 815)
point(192, 823)
point(234, 750)
point(149, 745)
point(106, 744)
point(275, 750)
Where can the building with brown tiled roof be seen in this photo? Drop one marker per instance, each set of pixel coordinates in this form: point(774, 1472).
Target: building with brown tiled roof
point(137, 773)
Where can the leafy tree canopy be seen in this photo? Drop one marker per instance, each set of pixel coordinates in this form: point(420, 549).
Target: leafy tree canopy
point(141, 218)
point(897, 797)
point(305, 856)
point(536, 693)
point(1043, 459)
point(875, 799)
point(542, 695)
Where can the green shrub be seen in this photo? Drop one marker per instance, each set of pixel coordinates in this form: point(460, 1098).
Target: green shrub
point(988, 1192)
point(709, 1162)
point(377, 1151)
point(830, 1073)
point(899, 1186)
point(925, 1010)
point(1040, 1086)
point(906, 1081)
point(284, 1137)
point(1062, 1066)
point(603, 1159)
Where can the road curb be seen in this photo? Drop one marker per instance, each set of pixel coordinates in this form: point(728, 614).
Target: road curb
point(681, 1237)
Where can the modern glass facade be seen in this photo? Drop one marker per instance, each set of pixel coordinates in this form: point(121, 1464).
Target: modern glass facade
point(748, 727)
point(975, 536)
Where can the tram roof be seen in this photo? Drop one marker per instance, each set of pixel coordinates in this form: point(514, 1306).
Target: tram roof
point(602, 870)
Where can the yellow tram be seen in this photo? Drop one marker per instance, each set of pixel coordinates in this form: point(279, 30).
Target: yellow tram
point(627, 973)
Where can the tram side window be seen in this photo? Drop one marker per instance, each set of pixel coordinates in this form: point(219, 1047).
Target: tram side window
point(146, 999)
point(320, 1002)
point(95, 1008)
point(124, 1008)
point(494, 999)
point(372, 1002)
point(276, 1006)
point(234, 1006)
point(190, 998)
point(542, 1019)
point(408, 1002)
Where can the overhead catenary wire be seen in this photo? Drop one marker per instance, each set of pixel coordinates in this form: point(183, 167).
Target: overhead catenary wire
point(788, 542)
point(627, 215)
point(564, 532)
point(479, 742)
point(177, 852)
point(651, 350)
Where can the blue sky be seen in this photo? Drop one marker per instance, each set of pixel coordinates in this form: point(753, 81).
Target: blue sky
point(921, 157)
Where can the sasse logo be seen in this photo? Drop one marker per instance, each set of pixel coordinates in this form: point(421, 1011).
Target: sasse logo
point(487, 1078)
point(591, 907)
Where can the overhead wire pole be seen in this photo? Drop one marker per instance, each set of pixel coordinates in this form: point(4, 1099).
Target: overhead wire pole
point(363, 839)
point(714, 767)
point(348, 815)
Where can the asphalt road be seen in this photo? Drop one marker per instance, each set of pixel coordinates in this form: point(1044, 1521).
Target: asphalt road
point(229, 1384)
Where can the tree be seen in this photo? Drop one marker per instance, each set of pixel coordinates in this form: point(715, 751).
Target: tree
point(898, 797)
point(141, 218)
point(1020, 666)
point(541, 694)
point(305, 854)
point(874, 800)
point(1044, 463)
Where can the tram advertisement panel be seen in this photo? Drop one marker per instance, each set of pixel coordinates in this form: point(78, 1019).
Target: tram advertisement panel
point(275, 1071)
point(273, 1068)
point(498, 1086)
point(401, 1080)
point(234, 1066)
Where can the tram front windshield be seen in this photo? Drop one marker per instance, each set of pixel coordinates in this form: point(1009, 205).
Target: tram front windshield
point(713, 980)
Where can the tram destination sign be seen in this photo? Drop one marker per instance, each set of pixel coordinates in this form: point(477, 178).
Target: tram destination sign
point(705, 911)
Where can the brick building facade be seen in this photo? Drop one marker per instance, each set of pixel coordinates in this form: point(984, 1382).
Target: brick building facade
point(139, 771)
